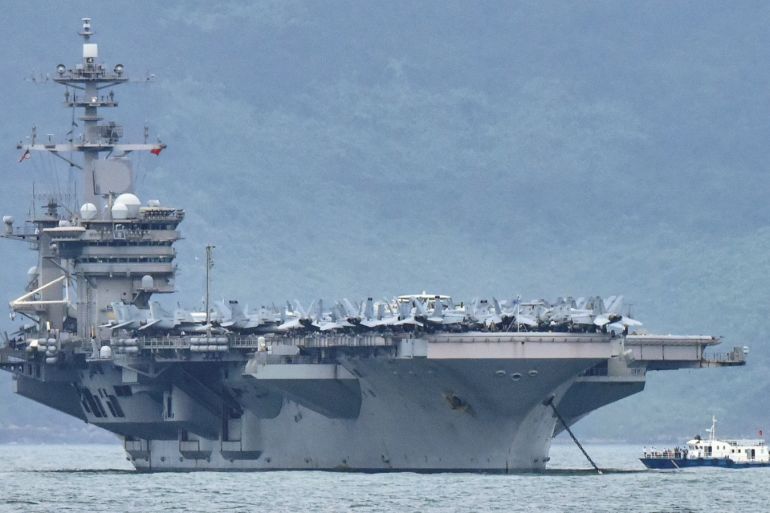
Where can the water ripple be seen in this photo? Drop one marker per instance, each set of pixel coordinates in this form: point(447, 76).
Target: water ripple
point(97, 478)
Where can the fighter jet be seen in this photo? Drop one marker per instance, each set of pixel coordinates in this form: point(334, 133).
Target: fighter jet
point(408, 310)
point(236, 318)
point(530, 315)
point(182, 321)
point(377, 315)
point(295, 318)
point(612, 320)
point(444, 314)
point(159, 319)
point(328, 321)
point(126, 317)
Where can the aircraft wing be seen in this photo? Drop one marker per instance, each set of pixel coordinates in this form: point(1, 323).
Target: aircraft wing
point(374, 323)
point(291, 324)
point(582, 318)
point(526, 320)
point(628, 321)
point(205, 328)
point(121, 325)
point(453, 319)
point(150, 324)
point(408, 321)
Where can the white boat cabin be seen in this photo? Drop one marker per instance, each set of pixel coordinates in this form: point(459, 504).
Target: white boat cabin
point(739, 451)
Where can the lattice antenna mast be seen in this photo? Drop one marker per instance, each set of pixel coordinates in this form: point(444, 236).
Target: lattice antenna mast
point(88, 78)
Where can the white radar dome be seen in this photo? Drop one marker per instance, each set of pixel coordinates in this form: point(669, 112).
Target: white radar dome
point(88, 211)
point(131, 202)
point(119, 211)
point(148, 282)
point(8, 220)
point(32, 271)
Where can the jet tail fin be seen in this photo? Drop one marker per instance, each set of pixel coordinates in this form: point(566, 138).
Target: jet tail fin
point(404, 310)
point(420, 308)
point(236, 311)
point(616, 305)
point(157, 311)
point(498, 310)
point(438, 307)
point(349, 309)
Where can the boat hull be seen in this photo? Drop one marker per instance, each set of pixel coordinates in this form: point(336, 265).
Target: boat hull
point(679, 463)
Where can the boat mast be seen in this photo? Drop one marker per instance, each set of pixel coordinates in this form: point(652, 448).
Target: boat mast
point(87, 79)
point(209, 265)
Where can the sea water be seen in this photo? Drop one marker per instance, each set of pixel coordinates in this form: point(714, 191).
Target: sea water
point(98, 478)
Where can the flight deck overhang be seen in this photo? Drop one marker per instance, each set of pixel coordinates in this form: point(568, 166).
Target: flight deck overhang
point(670, 352)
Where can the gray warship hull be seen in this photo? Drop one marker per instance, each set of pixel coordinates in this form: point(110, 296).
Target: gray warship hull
point(452, 402)
point(413, 413)
point(418, 383)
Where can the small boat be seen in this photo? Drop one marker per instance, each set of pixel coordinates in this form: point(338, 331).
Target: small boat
point(711, 453)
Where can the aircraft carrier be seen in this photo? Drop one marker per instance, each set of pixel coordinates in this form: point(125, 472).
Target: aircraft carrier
point(420, 382)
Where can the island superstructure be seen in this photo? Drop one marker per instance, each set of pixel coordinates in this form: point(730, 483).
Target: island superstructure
point(420, 382)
